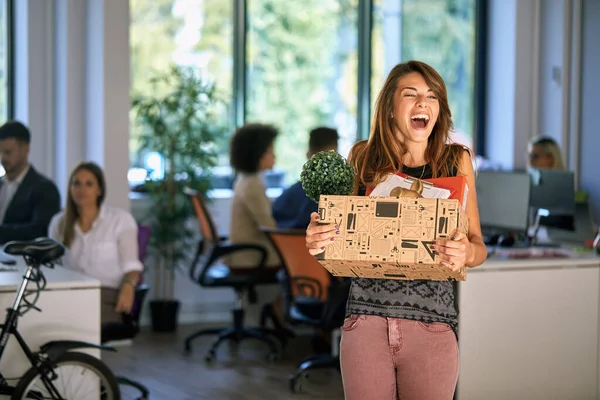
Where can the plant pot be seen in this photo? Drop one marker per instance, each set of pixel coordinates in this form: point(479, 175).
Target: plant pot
point(164, 314)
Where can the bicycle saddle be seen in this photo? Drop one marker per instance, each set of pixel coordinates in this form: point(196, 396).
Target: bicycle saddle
point(43, 250)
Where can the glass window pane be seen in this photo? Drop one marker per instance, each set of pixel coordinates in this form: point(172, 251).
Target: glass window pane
point(438, 32)
point(194, 33)
point(301, 73)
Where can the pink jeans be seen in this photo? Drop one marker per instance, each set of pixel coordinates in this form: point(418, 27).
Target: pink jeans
point(390, 358)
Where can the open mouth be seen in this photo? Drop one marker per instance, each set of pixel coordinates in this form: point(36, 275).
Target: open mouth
point(419, 121)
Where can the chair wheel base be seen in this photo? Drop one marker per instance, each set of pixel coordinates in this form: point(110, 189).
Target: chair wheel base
point(295, 384)
point(210, 357)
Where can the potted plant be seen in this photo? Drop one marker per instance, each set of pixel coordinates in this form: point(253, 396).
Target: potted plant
point(180, 121)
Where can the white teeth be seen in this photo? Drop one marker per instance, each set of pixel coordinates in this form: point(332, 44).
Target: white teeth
point(420, 116)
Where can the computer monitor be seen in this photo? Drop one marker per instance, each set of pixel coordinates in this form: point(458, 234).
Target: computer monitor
point(553, 191)
point(582, 230)
point(503, 200)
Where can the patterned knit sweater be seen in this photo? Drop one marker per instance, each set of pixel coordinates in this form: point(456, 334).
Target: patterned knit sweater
point(420, 300)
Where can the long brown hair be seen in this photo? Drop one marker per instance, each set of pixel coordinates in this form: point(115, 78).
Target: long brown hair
point(67, 224)
point(382, 153)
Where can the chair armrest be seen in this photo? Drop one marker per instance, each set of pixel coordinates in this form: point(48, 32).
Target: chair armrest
point(307, 286)
point(142, 288)
point(225, 248)
point(202, 242)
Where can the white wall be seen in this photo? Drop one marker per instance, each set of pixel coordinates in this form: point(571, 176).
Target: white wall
point(72, 87)
point(500, 119)
point(34, 80)
point(543, 58)
point(590, 103)
point(512, 46)
point(551, 69)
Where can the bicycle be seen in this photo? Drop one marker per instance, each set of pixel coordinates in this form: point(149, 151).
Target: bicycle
point(55, 364)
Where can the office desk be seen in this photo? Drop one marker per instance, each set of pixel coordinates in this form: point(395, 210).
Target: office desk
point(528, 329)
point(70, 307)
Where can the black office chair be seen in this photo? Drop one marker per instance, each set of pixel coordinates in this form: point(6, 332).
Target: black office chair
point(212, 273)
point(312, 296)
point(128, 329)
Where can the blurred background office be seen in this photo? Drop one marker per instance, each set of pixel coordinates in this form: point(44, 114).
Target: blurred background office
point(522, 82)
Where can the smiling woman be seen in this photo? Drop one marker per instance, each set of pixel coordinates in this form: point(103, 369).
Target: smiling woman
point(409, 134)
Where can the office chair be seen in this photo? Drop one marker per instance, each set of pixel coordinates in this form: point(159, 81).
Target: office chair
point(130, 326)
point(212, 273)
point(312, 296)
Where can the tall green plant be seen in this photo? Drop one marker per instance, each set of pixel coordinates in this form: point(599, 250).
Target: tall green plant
point(180, 120)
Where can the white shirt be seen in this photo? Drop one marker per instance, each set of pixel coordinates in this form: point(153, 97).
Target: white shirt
point(8, 190)
point(107, 251)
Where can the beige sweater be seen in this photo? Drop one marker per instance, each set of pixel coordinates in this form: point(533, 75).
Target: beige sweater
point(250, 209)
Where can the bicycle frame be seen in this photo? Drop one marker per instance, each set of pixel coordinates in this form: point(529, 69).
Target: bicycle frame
point(10, 328)
point(12, 315)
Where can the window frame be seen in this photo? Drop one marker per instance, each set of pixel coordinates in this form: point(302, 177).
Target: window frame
point(365, 27)
point(10, 59)
point(365, 30)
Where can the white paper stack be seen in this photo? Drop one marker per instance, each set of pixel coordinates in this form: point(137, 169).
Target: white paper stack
point(385, 187)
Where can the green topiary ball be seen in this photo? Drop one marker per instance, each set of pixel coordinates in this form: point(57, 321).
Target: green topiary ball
point(327, 172)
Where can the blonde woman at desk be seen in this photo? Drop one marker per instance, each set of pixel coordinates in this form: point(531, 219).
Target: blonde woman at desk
point(544, 152)
point(399, 337)
point(101, 240)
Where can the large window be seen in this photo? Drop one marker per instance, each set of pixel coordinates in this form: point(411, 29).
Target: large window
point(438, 32)
point(301, 72)
point(299, 65)
point(183, 32)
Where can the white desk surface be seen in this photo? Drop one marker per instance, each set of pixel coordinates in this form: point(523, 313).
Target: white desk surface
point(57, 278)
point(497, 262)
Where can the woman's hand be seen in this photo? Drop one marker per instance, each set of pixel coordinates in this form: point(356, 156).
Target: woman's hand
point(125, 300)
point(453, 253)
point(319, 236)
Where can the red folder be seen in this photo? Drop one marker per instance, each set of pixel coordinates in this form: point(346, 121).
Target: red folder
point(457, 185)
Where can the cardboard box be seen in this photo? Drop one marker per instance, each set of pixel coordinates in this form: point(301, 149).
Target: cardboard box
point(389, 237)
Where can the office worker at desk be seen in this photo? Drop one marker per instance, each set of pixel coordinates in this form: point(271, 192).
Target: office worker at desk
point(544, 152)
point(292, 209)
point(28, 200)
point(101, 240)
point(251, 152)
point(398, 340)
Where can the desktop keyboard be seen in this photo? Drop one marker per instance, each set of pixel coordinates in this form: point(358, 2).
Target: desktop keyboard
point(533, 252)
point(6, 259)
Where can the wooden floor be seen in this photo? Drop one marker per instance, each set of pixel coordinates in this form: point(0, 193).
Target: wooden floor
point(159, 362)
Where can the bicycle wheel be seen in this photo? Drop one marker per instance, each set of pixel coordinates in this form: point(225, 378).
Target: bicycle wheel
point(78, 376)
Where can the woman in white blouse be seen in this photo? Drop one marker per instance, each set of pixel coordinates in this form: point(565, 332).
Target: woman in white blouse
point(101, 240)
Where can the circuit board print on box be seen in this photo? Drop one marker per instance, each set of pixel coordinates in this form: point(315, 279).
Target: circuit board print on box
point(389, 237)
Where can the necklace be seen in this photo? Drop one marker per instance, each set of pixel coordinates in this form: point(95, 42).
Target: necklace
point(422, 170)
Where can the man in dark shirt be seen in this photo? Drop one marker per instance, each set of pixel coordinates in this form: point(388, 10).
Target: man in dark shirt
point(28, 200)
point(292, 209)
